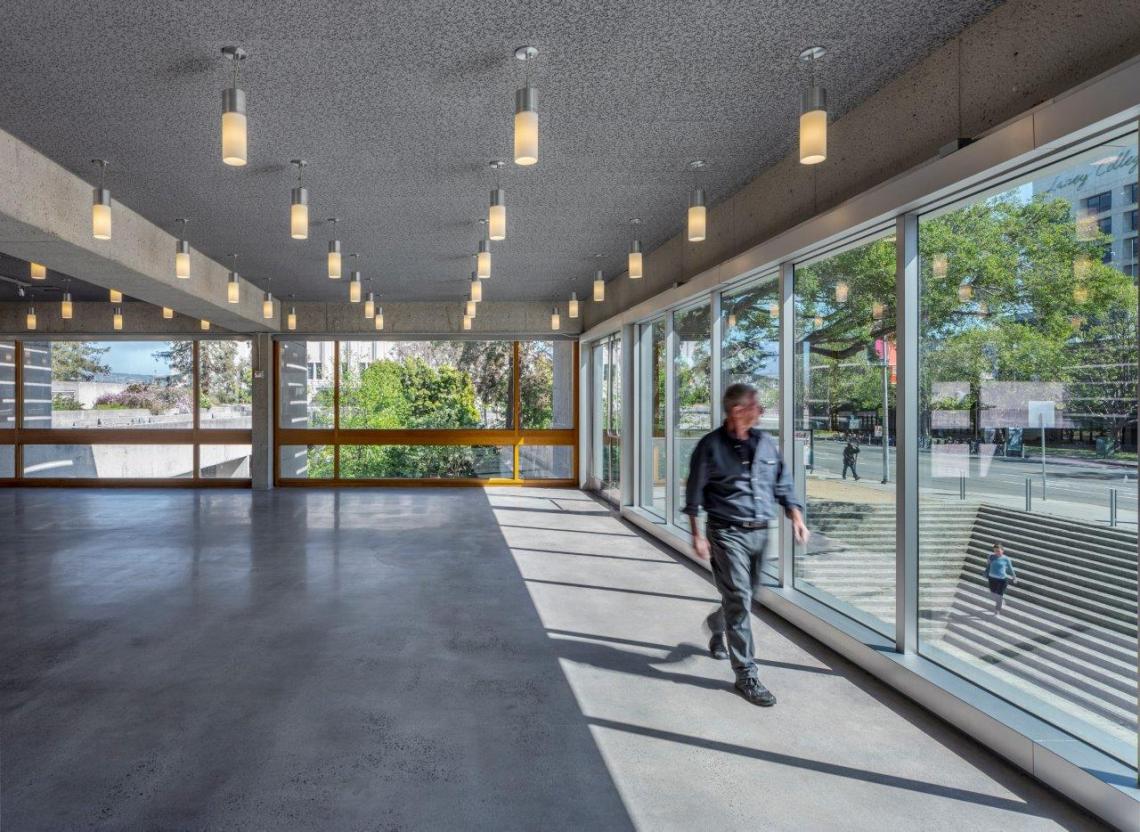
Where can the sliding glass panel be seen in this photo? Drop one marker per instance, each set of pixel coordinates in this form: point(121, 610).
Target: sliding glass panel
point(305, 376)
point(108, 461)
point(652, 429)
point(306, 462)
point(599, 355)
point(750, 355)
point(611, 419)
point(546, 384)
point(7, 461)
point(108, 384)
point(546, 462)
point(692, 329)
point(844, 419)
point(425, 461)
point(7, 385)
point(224, 462)
point(1027, 427)
point(225, 385)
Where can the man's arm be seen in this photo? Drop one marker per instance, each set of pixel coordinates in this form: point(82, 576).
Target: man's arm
point(785, 493)
point(694, 496)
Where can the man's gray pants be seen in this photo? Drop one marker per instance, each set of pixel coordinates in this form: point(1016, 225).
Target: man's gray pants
point(736, 556)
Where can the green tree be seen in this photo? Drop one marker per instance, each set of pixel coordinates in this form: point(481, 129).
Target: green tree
point(77, 360)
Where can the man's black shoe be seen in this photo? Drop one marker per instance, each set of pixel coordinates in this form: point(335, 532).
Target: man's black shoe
point(717, 648)
point(756, 693)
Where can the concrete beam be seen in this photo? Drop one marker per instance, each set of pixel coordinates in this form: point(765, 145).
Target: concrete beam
point(94, 318)
point(410, 319)
point(45, 216)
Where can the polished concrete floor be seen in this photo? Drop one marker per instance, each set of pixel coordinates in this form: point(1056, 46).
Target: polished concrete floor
point(429, 659)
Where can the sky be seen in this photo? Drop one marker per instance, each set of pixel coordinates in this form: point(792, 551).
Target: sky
point(135, 357)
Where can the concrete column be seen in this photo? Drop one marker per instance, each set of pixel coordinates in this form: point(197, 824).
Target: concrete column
point(563, 368)
point(261, 455)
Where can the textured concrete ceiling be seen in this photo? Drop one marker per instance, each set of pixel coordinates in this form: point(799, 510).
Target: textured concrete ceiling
point(399, 106)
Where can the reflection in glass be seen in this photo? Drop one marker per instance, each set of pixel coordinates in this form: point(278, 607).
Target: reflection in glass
point(844, 384)
point(425, 461)
point(692, 331)
point(108, 461)
point(225, 385)
point(1027, 431)
point(306, 385)
point(607, 417)
point(546, 384)
point(654, 457)
point(307, 462)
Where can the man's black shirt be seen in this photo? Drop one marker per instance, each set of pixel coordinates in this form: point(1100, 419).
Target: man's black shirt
point(738, 480)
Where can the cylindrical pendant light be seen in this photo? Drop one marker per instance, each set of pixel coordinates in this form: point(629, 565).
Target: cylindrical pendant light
point(497, 213)
point(813, 114)
point(354, 287)
point(940, 265)
point(773, 310)
point(291, 318)
point(555, 319)
point(182, 253)
point(635, 258)
point(572, 306)
point(37, 271)
point(101, 205)
point(233, 287)
point(378, 321)
point(526, 113)
point(476, 289)
point(117, 319)
point(267, 304)
point(841, 291)
point(334, 253)
point(234, 139)
point(30, 320)
point(167, 313)
point(965, 291)
point(205, 325)
point(697, 221)
point(65, 307)
point(114, 296)
point(731, 321)
point(483, 260)
point(471, 308)
point(818, 321)
point(878, 309)
point(599, 286)
point(370, 305)
point(1081, 293)
point(299, 204)
point(467, 321)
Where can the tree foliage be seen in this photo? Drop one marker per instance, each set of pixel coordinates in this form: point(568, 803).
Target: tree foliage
point(77, 360)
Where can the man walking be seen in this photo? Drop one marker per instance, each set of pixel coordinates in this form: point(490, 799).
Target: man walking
point(850, 457)
point(737, 475)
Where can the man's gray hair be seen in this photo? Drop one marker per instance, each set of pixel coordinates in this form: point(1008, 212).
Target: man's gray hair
point(737, 394)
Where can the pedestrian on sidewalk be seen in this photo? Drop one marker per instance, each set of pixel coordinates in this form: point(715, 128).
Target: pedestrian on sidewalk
point(737, 476)
point(999, 572)
point(850, 457)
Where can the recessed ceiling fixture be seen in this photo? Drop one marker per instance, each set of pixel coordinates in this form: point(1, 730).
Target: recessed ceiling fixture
point(526, 113)
point(555, 319)
point(370, 302)
point(233, 287)
point(299, 204)
point(291, 318)
point(813, 113)
point(267, 301)
point(37, 271)
point(65, 306)
point(234, 143)
point(334, 252)
point(697, 212)
point(182, 252)
point(101, 205)
point(114, 296)
point(635, 258)
point(483, 256)
point(572, 306)
point(476, 288)
point(599, 286)
point(167, 313)
point(205, 325)
point(30, 320)
point(497, 213)
point(117, 319)
point(354, 287)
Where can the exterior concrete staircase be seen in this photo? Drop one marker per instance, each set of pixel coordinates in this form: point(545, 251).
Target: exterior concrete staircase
point(1068, 633)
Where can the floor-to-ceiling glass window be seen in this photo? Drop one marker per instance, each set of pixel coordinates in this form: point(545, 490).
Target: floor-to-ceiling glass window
point(749, 354)
point(652, 400)
point(1027, 427)
point(844, 421)
point(692, 419)
point(606, 417)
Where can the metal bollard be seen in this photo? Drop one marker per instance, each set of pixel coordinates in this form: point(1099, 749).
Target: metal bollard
point(961, 488)
point(1112, 494)
point(1028, 494)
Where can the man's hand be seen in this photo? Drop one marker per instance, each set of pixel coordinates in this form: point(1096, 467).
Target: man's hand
point(799, 531)
point(701, 546)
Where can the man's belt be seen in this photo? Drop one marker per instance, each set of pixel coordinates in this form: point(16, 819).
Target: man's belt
point(750, 525)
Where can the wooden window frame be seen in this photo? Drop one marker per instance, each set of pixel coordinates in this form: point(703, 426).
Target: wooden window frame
point(336, 437)
point(195, 436)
